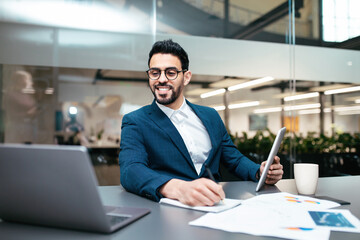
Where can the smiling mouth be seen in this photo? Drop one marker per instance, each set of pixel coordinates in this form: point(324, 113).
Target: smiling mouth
point(163, 89)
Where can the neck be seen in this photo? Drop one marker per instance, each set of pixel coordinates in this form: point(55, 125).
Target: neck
point(177, 104)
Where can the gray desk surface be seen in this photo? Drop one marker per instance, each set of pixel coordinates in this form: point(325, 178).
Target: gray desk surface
point(167, 222)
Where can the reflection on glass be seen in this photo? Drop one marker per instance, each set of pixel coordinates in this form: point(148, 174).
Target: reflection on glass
point(91, 115)
point(27, 106)
point(98, 109)
point(21, 107)
point(240, 19)
point(119, 16)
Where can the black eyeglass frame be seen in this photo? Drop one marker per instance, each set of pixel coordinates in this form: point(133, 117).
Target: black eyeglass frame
point(165, 71)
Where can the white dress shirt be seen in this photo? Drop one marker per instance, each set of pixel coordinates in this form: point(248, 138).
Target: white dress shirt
point(192, 131)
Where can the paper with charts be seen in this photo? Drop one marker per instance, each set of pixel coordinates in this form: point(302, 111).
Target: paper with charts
point(282, 215)
point(226, 204)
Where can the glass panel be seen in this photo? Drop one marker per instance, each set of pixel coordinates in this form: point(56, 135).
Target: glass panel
point(340, 20)
point(114, 16)
point(329, 131)
point(95, 58)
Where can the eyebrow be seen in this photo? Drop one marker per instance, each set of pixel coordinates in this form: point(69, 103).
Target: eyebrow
point(165, 68)
point(156, 68)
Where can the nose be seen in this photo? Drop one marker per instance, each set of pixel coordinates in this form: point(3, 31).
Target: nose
point(162, 77)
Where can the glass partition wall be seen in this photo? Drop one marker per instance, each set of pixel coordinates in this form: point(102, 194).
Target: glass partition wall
point(262, 64)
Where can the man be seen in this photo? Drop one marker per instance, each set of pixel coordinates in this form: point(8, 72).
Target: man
point(165, 146)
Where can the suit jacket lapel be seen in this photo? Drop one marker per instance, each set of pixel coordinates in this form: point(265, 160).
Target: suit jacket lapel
point(164, 123)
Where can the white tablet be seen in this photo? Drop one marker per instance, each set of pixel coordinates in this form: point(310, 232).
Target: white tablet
point(274, 149)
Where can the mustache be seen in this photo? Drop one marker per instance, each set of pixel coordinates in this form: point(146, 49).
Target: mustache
point(163, 85)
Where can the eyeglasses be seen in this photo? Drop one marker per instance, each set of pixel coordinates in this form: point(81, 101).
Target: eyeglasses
point(170, 73)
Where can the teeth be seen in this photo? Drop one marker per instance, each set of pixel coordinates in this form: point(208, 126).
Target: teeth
point(163, 89)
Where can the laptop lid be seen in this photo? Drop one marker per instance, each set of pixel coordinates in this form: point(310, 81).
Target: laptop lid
point(56, 186)
point(274, 149)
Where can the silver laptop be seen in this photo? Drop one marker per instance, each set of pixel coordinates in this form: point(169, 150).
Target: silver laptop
point(274, 149)
point(56, 186)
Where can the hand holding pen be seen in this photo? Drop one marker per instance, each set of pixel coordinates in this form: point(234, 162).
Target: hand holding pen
point(211, 176)
point(199, 192)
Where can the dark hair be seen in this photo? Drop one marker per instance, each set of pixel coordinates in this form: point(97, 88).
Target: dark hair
point(170, 47)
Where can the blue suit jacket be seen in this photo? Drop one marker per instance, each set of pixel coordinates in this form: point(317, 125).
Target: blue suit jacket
point(152, 151)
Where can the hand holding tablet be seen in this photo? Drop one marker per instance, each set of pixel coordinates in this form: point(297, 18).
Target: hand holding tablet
point(274, 149)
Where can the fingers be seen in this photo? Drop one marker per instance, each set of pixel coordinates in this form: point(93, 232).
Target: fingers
point(276, 160)
point(206, 196)
point(202, 192)
point(262, 166)
point(216, 189)
point(275, 171)
point(274, 176)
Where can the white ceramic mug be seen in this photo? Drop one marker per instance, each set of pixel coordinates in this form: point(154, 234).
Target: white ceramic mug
point(306, 177)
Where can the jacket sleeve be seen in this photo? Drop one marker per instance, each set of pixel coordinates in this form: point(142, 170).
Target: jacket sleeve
point(135, 174)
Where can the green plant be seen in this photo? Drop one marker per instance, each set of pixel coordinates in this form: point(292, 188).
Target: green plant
point(99, 134)
point(313, 143)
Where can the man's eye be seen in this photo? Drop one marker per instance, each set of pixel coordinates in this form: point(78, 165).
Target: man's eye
point(155, 73)
point(171, 72)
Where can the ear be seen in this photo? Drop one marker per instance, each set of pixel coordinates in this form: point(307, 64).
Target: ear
point(187, 77)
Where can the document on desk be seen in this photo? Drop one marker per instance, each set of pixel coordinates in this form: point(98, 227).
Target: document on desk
point(226, 204)
point(282, 215)
point(260, 222)
point(283, 199)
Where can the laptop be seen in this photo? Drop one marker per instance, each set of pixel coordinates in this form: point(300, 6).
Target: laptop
point(274, 149)
point(56, 186)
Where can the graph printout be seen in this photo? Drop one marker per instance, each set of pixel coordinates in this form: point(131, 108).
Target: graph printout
point(336, 220)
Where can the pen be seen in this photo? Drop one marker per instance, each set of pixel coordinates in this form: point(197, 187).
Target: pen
point(209, 172)
point(211, 177)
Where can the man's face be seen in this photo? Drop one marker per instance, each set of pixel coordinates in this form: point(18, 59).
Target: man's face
point(168, 92)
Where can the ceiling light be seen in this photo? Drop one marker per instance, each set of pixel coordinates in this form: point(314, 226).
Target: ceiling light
point(213, 93)
point(301, 96)
point(309, 111)
point(313, 111)
point(250, 83)
point(342, 90)
point(303, 106)
point(243, 105)
point(268, 110)
point(343, 109)
point(349, 113)
point(219, 108)
point(237, 105)
point(73, 110)
point(227, 82)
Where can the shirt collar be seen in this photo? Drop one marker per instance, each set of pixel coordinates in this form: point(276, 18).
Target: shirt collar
point(169, 112)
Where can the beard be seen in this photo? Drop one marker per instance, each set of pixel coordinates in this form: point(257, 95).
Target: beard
point(174, 93)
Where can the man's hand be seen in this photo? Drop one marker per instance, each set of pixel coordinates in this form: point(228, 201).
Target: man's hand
point(275, 171)
point(199, 192)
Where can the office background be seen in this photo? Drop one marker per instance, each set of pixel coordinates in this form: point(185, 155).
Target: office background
point(70, 69)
